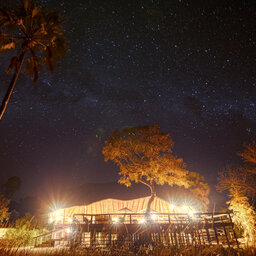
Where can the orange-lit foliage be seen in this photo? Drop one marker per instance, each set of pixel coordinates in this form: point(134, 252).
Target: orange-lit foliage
point(199, 189)
point(4, 209)
point(249, 157)
point(144, 155)
point(244, 216)
point(248, 182)
point(241, 185)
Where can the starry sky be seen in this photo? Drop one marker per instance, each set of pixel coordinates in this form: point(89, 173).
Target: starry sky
point(188, 66)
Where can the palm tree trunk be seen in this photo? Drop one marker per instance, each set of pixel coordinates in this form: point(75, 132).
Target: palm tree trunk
point(151, 199)
point(12, 84)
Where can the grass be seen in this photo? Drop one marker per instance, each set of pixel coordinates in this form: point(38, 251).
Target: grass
point(192, 251)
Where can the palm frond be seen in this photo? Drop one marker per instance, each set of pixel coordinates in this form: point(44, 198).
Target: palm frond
point(35, 65)
point(12, 65)
point(7, 15)
point(27, 5)
point(48, 58)
point(42, 35)
point(32, 68)
point(7, 46)
point(35, 11)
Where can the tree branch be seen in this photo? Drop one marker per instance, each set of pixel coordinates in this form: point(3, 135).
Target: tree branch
point(144, 182)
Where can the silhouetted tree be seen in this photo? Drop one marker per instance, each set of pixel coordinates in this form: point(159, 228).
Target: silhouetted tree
point(37, 36)
point(11, 186)
point(144, 155)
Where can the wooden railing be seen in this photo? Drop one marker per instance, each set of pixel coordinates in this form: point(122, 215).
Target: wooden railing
point(129, 229)
point(161, 218)
point(49, 239)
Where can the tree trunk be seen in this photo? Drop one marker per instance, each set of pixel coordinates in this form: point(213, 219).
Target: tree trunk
point(12, 84)
point(152, 197)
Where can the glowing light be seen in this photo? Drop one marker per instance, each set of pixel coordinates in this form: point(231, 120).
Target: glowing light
point(56, 212)
point(185, 208)
point(68, 230)
point(191, 213)
point(69, 220)
point(153, 217)
point(172, 206)
point(51, 220)
point(115, 220)
point(141, 221)
point(58, 218)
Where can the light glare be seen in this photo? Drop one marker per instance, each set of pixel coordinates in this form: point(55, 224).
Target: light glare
point(115, 220)
point(172, 206)
point(141, 221)
point(186, 208)
point(153, 217)
point(191, 213)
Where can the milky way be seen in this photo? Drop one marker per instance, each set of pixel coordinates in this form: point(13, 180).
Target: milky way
point(188, 66)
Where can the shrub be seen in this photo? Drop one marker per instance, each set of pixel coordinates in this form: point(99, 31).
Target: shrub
point(23, 232)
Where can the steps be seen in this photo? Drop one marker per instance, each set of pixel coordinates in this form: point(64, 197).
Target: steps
point(48, 243)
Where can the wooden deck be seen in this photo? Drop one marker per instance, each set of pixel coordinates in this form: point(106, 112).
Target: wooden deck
point(160, 229)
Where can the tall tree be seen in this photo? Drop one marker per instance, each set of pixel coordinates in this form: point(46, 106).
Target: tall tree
point(249, 157)
point(244, 215)
point(37, 36)
point(199, 189)
point(241, 184)
point(144, 155)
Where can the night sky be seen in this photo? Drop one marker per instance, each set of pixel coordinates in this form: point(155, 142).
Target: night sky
point(188, 66)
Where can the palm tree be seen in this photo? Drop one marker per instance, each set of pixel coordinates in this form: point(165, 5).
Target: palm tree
point(37, 36)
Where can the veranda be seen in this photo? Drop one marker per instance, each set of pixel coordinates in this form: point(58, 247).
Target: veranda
point(128, 230)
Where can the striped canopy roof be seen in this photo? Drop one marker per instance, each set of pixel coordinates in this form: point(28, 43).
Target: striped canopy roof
point(112, 206)
point(139, 205)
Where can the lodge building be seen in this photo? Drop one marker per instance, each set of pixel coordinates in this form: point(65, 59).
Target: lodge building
point(123, 223)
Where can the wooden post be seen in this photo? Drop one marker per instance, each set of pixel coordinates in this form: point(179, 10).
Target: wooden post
point(175, 238)
point(186, 239)
point(232, 226)
point(180, 239)
point(225, 231)
point(183, 238)
point(208, 236)
point(216, 235)
point(214, 228)
point(198, 235)
point(207, 231)
point(201, 234)
point(226, 236)
point(171, 234)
